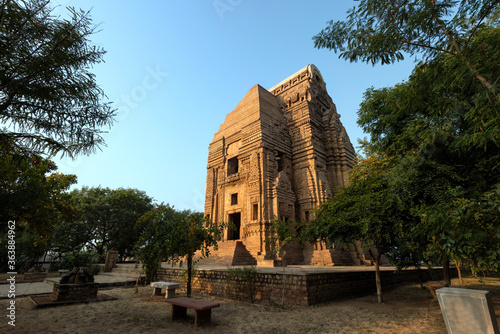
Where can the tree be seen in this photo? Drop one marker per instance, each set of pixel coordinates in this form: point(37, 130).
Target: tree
point(367, 210)
point(443, 126)
point(109, 217)
point(281, 233)
point(482, 214)
point(175, 236)
point(33, 195)
point(383, 31)
point(130, 205)
point(194, 233)
point(28, 248)
point(49, 100)
point(474, 236)
point(154, 242)
point(440, 107)
point(427, 187)
point(69, 235)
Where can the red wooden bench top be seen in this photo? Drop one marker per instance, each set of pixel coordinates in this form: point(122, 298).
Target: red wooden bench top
point(196, 304)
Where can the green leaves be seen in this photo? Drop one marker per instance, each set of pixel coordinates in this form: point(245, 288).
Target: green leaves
point(49, 100)
point(110, 217)
point(385, 31)
point(442, 126)
point(33, 195)
point(439, 129)
point(32, 192)
point(158, 230)
point(172, 235)
point(281, 233)
point(367, 210)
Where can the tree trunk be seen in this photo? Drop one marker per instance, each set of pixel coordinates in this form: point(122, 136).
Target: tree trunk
point(376, 261)
point(189, 267)
point(473, 272)
point(420, 278)
point(446, 269)
point(457, 263)
point(377, 279)
point(284, 281)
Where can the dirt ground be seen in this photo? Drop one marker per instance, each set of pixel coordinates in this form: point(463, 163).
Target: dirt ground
point(406, 309)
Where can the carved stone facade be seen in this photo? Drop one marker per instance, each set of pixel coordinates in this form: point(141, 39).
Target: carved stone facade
point(281, 152)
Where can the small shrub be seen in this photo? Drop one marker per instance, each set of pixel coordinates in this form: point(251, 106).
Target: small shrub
point(245, 277)
point(86, 259)
point(93, 269)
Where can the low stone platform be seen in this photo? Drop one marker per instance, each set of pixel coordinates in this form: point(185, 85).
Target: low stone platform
point(304, 285)
point(105, 281)
point(46, 287)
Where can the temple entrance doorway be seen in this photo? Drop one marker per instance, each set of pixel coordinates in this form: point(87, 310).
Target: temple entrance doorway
point(233, 232)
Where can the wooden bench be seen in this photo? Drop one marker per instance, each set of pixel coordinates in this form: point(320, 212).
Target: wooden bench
point(432, 286)
point(169, 289)
point(202, 308)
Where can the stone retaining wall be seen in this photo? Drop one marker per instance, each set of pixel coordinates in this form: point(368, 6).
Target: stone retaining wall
point(35, 275)
point(73, 292)
point(300, 289)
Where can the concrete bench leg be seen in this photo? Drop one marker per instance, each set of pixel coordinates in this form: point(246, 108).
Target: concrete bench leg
point(170, 293)
point(178, 312)
point(202, 317)
point(157, 292)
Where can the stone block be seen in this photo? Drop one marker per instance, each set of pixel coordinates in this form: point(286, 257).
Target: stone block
point(74, 292)
point(111, 258)
point(467, 311)
point(169, 289)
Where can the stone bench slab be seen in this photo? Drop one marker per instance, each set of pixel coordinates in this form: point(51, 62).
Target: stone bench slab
point(203, 309)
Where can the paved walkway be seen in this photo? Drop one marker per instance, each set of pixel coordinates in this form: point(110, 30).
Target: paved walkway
point(40, 288)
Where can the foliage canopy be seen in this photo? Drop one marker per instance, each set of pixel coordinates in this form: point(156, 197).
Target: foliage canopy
point(443, 125)
point(384, 31)
point(49, 100)
point(175, 236)
point(368, 210)
point(439, 129)
point(32, 192)
point(107, 218)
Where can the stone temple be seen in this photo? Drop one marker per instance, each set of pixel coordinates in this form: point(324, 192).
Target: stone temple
point(280, 153)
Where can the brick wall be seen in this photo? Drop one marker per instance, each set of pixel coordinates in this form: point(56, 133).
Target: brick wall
point(305, 289)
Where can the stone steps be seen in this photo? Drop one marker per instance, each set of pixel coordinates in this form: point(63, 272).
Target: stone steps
point(125, 270)
point(229, 253)
point(222, 256)
point(242, 256)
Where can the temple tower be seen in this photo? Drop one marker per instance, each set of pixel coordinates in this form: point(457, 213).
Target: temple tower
point(281, 152)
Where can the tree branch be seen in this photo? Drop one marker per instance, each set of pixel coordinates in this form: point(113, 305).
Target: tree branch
point(459, 53)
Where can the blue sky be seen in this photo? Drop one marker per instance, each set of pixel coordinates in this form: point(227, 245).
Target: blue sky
point(174, 69)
